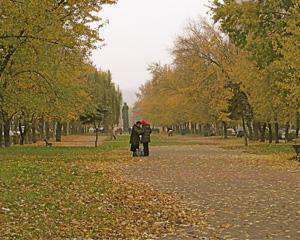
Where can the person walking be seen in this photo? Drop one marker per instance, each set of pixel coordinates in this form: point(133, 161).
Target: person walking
point(136, 132)
point(146, 137)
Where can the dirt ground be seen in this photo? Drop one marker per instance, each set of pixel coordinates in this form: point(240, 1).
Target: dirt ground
point(242, 195)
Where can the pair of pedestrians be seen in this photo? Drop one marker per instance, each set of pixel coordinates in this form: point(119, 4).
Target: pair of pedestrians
point(140, 133)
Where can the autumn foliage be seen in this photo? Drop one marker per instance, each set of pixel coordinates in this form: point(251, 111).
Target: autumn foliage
point(45, 49)
point(241, 71)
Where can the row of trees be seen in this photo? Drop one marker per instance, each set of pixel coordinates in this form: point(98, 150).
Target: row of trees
point(45, 69)
point(104, 109)
point(244, 69)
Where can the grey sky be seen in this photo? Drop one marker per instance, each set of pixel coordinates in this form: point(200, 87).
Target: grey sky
point(141, 32)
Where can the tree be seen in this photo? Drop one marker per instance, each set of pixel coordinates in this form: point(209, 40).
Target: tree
point(95, 118)
point(104, 105)
point(43, 48)
point(239, 108)
point(268, 30)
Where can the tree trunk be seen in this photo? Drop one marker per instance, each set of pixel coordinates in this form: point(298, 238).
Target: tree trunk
point(1, 135)
point(297, 124)
point(26, 132)
point(270, 133)
point(71, 128)
point(197, 129)
point(200, 129)
point(33, 130)
point(276, 132)
point(97, 136)
point(193, 128)
point(111, 132)
point(249, 125)
point(6, 130)
point(29, 135)
point(78, 130)
point(58, 132)
point(15, 139)
point(245, 131)
point(47, 130)
point(65, 129)
point(82, 130)
point(287, 131)
point(21, 130)
point(187, 127)
point(263, 132)
point(225, 129)
point(68, 128)
point(256, 127)
point(53, 127)
point(41, 129)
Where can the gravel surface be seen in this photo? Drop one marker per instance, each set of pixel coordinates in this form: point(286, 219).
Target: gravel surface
point(243, 197)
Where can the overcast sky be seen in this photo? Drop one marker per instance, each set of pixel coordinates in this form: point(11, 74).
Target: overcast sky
point(141, 32)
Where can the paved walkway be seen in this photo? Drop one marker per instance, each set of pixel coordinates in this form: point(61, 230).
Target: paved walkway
point(243, 198)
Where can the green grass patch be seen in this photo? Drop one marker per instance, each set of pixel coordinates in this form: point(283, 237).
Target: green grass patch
point(264, 149)
point(48, 193)
point(66, 153)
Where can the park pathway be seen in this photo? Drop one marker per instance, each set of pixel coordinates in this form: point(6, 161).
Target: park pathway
point(242, 197)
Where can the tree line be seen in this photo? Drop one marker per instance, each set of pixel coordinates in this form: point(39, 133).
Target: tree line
point(243, 69)
point(47, 80)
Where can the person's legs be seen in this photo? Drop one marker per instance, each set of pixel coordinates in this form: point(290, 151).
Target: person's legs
point(134, 153)
point(146, 149)
point(133, 149)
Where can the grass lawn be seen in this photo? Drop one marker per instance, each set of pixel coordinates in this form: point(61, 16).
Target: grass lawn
point(74, 192)
point(44, 191)
point(266, 149)
point(258, 147)
point(230, 143)
point(276, 154)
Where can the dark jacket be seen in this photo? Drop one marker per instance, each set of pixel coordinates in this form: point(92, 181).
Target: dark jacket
point(146, 133)
point(135, 135)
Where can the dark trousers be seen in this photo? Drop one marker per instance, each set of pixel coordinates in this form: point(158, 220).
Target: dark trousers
point(134, 149)
point(146, 149)
point(135, 153)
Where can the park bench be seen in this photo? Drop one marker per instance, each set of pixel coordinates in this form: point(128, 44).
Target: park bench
point(297, 150)
point(48, 144)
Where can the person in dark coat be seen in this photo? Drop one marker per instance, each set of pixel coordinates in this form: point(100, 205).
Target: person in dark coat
point(136, 132)
point(146, 137)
